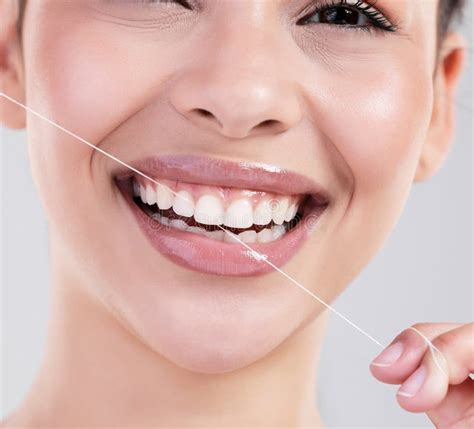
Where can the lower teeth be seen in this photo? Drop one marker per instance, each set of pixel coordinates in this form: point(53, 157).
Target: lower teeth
point(249, 236)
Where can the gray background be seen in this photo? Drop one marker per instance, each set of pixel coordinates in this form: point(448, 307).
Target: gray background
point(423, 274)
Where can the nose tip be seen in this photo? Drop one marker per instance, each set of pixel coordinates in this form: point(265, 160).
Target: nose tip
point(237, 109)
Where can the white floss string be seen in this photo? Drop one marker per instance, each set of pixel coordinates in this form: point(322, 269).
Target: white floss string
point(254, 253)
point(432, 348)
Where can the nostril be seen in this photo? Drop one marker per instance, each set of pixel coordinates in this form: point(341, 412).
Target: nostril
point(271, 125)
point(268, 123)
point(208, 119)
point(204, 112)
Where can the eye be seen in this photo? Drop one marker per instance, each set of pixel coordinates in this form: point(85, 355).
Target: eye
point(350, 14)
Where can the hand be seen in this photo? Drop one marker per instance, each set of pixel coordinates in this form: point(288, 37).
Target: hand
point(440, 386)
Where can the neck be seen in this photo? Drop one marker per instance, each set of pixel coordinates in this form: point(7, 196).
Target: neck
point(96, 372)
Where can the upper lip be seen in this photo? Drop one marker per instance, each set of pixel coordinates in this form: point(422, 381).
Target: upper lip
point(224, 173)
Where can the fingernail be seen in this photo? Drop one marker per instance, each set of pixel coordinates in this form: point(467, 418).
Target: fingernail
point(411, 386)
point(389, 355)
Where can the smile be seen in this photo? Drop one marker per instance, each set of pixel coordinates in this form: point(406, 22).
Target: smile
point(251, 215)
point(193, 208)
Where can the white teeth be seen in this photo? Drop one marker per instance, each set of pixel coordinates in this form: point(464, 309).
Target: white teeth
point(239, 214)
point(150, 196)
point(179, 224)
point(197, 230)
point(209, 210)
point(248, 236)
point(183, 204)
point(265, 235)
point(136, 189)
point(263, 213)
point(164, 197)
point(143, 194)
point(230, 237)
point(278, 231)
point(217, 235)
point(279, 211)
point(291, 212)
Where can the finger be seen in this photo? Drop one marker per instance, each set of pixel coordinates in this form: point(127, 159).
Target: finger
point(457, 406)
point(457, 346)
point(449, 362)
point(426, 386)
point(404, 354)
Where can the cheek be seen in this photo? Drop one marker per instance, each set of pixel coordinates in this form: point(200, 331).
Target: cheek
point(376, 117)
point(380, 126)
point(88, 81)
point(372, 99)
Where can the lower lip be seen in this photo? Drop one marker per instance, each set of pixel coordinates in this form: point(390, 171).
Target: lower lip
point(208, 256)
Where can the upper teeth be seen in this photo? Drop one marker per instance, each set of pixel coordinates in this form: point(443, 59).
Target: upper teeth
point(211, 208)
point(183, 204)
point(239, 214)
point(164, 197)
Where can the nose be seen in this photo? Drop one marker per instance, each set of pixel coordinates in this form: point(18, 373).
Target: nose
point(237, 94)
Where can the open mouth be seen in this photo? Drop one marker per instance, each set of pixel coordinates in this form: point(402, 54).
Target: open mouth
point(198, 211)
point(252, 216)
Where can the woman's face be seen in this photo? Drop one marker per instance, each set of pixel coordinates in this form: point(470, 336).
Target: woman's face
point(320, 108)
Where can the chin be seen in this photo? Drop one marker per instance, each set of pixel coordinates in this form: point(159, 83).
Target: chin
point(208, 355)
point(209, 332)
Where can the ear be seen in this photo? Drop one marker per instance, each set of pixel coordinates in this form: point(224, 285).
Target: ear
point(440, 134)
point(11, 67)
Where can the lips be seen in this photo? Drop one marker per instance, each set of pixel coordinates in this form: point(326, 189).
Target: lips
point(193, 207)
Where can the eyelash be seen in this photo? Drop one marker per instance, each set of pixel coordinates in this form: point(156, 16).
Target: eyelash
point(378, 22)
point(183, 3)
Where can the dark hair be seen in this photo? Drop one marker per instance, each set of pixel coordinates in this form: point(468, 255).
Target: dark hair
point(449, 11)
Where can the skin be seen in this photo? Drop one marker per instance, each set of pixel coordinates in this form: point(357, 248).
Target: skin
point(142, 341)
